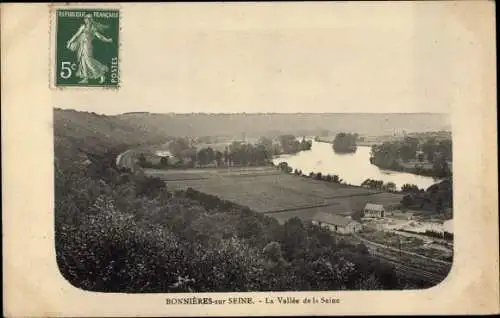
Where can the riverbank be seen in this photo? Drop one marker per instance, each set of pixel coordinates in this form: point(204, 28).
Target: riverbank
point(358, 143)
point(393, 168)
point(352, 168)
point(419, 171)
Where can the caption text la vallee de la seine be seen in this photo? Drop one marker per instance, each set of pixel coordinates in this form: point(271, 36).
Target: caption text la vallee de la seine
point(251, 300)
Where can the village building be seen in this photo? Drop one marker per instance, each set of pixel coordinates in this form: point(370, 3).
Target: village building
point(337, 223)
point(372, 210)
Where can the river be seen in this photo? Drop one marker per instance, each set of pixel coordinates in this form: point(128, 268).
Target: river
point(352, 168)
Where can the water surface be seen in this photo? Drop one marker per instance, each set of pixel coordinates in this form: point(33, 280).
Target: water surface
point(352, 168)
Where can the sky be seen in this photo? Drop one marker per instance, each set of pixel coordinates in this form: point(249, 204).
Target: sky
point(287, 57)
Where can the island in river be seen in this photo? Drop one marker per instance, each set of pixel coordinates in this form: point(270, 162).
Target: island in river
point(345, 143)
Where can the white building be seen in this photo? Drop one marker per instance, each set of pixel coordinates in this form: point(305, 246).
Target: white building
point(337, 223)
point(374, 210)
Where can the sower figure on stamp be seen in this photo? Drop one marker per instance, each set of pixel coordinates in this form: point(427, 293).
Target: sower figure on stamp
point(81, 43)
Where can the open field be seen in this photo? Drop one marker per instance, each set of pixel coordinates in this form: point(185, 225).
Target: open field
point(267, 190)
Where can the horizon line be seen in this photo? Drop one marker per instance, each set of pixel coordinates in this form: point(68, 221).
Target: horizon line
point(255, 113)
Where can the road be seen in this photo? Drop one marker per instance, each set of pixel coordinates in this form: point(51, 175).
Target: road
point(126, 160)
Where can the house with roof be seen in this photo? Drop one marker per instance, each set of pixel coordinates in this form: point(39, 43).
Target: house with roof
point(336, 223)
point(372, 210)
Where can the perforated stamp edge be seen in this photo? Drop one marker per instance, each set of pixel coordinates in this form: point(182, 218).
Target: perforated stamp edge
point(52, 33)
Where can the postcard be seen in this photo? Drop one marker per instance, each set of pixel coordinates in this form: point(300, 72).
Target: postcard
point(249, 158)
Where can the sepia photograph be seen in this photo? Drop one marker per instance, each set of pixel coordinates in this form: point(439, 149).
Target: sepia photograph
point(343, 183)
point(150, 202)
point(252, 154)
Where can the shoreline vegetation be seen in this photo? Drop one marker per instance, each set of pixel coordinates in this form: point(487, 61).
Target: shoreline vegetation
point(424, 154)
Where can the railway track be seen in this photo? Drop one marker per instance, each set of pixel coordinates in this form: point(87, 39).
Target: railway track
point(386, 247)
point(410, 264)
point(411, 271)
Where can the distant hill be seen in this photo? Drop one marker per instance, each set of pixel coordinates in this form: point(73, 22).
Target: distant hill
point(76, 134)
point(254, 125)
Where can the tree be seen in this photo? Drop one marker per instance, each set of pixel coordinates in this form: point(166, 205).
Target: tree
point(226, 155)
point(283, 166)
point(289, 144)
point(390, 186)
point(210, 155)
point(149, 186)
point(385, 155)
point(362, 249)
point(408, 149)
point(219, 156)
point(266, 143)
point(410, 188)
point(178, 146)
point(305, 144)
point(345, 143)
point(429, 147)
point(336, 179)
point(440, 167)
point(439, 205)
point(142, 160)
point(262, 155)
point(206, 156)
point(164, 161)
point(293, 241)
point(407, 200)
point(445, 149)
point(202, 157)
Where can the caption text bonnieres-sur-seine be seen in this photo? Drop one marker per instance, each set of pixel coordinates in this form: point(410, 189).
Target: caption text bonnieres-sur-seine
point(288, 300)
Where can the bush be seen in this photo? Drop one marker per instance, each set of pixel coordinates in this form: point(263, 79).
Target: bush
point(148, 186)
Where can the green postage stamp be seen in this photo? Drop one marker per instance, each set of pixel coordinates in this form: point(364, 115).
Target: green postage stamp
point(87, 47)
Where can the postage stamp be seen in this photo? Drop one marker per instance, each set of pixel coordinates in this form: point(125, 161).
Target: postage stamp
point(87, 48)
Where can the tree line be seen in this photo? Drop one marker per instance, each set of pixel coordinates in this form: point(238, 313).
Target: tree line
point(284, 167)
point(379, 185)
point(428, 157)
point(437, 198)
point(186, 155)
